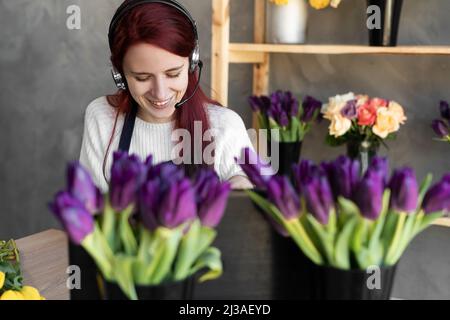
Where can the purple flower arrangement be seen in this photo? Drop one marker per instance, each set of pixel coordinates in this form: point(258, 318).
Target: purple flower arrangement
point(441, 127)
point(155, 225)
point(341, 219)
point(281, 111)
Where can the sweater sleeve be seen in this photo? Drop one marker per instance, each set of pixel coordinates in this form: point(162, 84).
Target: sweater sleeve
point(235, 138)
point(96, 133)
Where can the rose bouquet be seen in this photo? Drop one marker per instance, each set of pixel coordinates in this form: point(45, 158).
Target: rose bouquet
point(343, 220)
point(442, 126)
point(362, 123)
point(154, 226)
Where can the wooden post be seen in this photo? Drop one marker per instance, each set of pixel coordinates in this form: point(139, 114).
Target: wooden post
point(220, 50)
point(260, 70)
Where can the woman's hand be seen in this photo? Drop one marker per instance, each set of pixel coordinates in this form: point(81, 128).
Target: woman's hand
point(240, 182)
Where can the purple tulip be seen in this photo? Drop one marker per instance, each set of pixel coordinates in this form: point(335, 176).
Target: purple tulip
point(149, 197)
point(380, 165)
point(404, 190)
point(343, 174)
point(283, 119)
point(259, 104)
point(349, 110)
point(318, 195)
point(281, 193)
point(80, 186)
point(283, 106)
point(437, 197)
point(310, 105)
point(177, 206)
point(301, 172)
point(445, 110)
point(440, 128)
point(369, 194)
point(255, 168)
point(165, 172)
point(211, 197)
point(127, 175)
point(74, 217)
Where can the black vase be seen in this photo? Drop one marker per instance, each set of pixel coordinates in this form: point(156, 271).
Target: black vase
point(181, 290)
point(291, 270)
point(390, 19)
point(288, 154)
point(89, 277)
point(289, 278)
point(327, 283)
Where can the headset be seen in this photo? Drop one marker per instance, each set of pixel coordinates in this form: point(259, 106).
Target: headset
point(194, 58)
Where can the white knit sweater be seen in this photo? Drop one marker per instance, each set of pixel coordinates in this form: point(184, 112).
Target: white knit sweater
point(155, 138)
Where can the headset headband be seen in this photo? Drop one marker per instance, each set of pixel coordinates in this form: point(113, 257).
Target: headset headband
point(127, 6)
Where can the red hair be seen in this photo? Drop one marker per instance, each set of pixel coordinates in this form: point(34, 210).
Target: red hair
point(165, 27)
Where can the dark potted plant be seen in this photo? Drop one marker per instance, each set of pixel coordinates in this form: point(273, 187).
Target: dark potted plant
point(353, 229)
point(151, 234)
point(285, 124)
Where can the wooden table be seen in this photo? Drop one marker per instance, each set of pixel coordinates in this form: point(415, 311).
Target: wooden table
point(44, 261)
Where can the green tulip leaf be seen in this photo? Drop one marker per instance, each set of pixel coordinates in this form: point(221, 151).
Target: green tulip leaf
point(187, 252)
point(341, 251)
point(122, 273)
point(211, 260)
point(126, 233)
point(108, 223)
point(426, 182)
point(326, 238)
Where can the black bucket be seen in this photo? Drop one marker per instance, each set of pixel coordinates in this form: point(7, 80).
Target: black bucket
point(89, 277)
point(181, 290)
point(328, 283)
point(288, 154)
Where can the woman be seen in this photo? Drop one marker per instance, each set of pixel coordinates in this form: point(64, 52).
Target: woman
point(160, 108)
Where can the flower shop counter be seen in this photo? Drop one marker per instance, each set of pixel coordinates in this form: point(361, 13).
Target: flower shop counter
point(44, 260)
point(245, 240)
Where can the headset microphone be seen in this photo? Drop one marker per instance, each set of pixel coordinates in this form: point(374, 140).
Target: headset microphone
point(200, 66)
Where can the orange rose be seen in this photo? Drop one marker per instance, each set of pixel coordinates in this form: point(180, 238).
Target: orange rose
point(367, 114)
point(378, 103)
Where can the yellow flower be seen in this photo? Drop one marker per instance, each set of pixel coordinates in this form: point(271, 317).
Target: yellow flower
point(2, 279)
point(12, 295)
point(280, 2)
point(386, 123)
point(30, 293)
point(321, 4)
point(339, 125)
point(398, 112)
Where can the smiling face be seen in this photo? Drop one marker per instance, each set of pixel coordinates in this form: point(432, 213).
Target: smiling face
point(157, 80)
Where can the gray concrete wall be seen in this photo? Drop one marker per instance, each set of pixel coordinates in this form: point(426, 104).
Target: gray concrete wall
point(49, 74)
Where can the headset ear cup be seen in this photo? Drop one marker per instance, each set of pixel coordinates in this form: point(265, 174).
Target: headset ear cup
point(194, 59)
point(118, 79)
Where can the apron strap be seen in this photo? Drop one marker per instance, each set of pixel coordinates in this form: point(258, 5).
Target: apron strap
point(128, 127)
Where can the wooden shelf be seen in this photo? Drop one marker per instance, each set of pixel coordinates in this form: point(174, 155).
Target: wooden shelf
point(246, 48)
point(443, 222)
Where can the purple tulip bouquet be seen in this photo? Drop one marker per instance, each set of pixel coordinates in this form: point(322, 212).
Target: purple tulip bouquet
point(281, 111)
point(154, 226)
point(442, 126)
point(347, 221)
